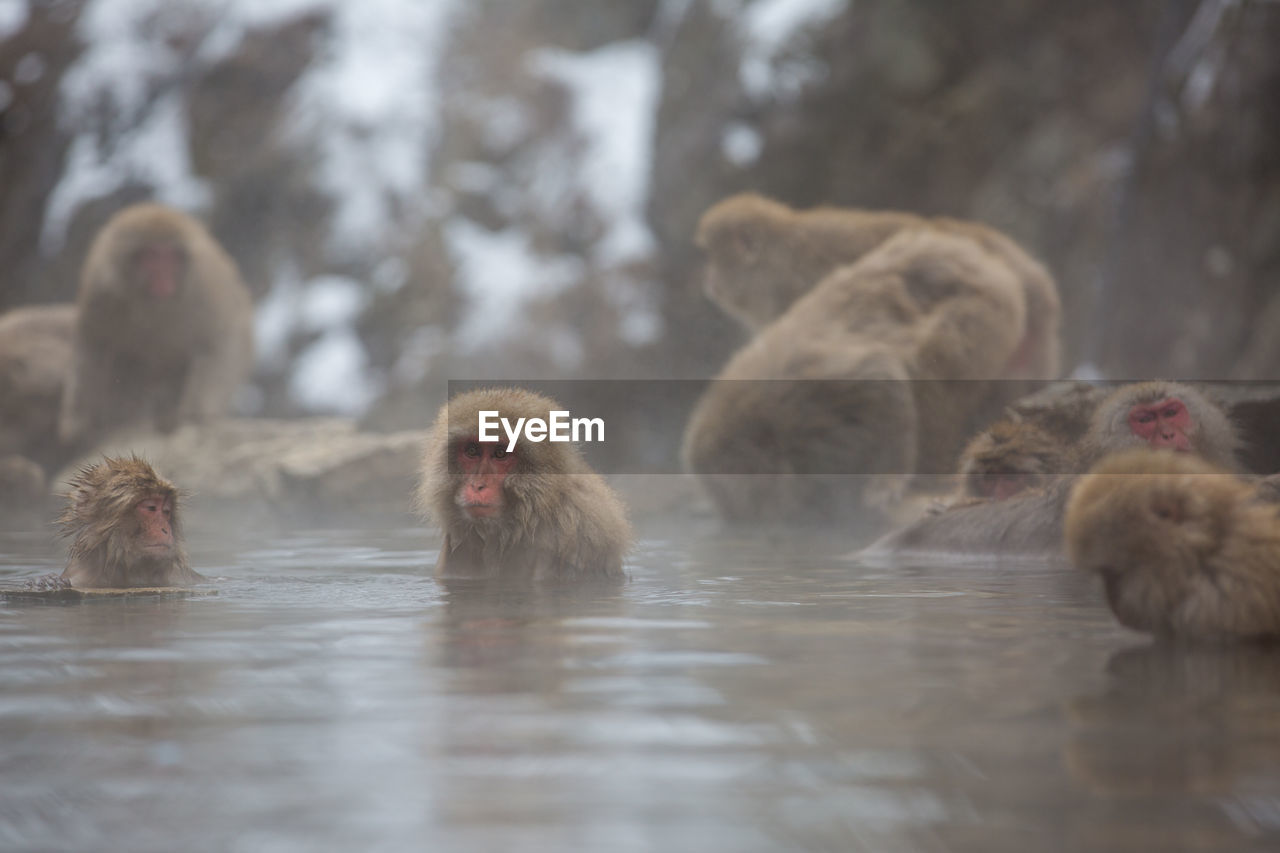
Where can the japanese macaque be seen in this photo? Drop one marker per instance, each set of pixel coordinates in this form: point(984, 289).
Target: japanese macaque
point(35, 360)
point(879, 372)
point(125, 529)
point(1184, 548)
point(165, 328)
point(533, 512)
point(22, 486)
point(1159, 415)
point(1010, 457)
point(762, 256)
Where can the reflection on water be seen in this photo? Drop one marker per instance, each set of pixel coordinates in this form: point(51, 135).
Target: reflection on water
point(735, 695)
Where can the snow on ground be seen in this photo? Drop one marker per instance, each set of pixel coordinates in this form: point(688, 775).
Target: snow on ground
point(332, 373)
point(13, 15)
point(370, 106)
point(370, 101)
point(153, 152)
point(766, 26)
point(615, 93)
point(741, 144)
point(500, 273)
point(615, 96)
point(373, 104)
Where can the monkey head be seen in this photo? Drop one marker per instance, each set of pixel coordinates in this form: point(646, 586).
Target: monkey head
point(746, 273)
point(158, 268)
point(1163, 416)
point(150, 251)
point(121, 513)
point(489, 484)
point(1010, 457)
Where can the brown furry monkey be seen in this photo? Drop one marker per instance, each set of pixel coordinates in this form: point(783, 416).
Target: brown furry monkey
point(1159, 415)
point(1010, 457)
point(125, 528)
point(1185, 549)
point(762, 256)
point(535, 511)
point(875, 374)
point(165, 328)
point(35, 361)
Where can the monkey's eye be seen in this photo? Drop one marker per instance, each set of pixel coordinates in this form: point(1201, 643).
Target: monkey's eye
point(499, 453)
point(1145, 417)
point(472, 450)
point(1171, 412)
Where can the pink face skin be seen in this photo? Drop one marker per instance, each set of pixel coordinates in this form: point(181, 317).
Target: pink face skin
point(484, 466)
point(1163, 424)
point(161, 269)
point(1004, 486)
point(155, 520)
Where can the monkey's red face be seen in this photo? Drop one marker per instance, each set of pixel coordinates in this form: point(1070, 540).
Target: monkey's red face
point(160, 268)
point(484, 467)
point(155, 522)
point(1162, 424)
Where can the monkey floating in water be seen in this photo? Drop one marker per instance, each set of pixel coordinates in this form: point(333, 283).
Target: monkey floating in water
point(126, 532)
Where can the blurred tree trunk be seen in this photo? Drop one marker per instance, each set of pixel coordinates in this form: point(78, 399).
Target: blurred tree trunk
point(33, 149)
point(1198, 255)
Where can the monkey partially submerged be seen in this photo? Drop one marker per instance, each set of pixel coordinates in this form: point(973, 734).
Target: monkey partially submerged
point(1161, 415)
point(1184, 548)
point(1011, 457)
point(125, 528)
point(536, 512)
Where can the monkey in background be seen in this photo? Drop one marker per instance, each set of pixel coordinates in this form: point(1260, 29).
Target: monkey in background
point(24, 492)
point(762, 256)
point(164, 333)
point(1185, 549)
point(1159, 414)
point(35, 361)
point(878, 372)
point(1009, 457)
point(125, 528)
point(538, 512)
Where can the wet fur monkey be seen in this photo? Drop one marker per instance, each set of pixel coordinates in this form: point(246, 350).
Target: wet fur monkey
point(164, 333)
point(537, 512)
point(1184, 548)
point(1010, 457)
point(1160, 415)
point(125, 526)
point(877, 373)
